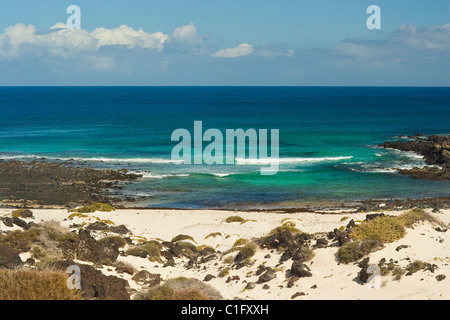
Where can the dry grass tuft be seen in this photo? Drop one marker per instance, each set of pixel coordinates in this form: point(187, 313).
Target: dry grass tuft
point(181, 289)
point(32, 284)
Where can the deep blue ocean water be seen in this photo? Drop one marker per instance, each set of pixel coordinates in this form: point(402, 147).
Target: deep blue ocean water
point(328, 139)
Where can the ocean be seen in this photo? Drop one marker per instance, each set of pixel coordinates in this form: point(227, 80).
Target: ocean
point(328, 139)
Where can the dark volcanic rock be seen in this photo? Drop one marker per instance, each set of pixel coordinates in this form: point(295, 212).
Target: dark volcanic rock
point(208, 277)
point(90, 250)
point(51, 183)
point(278, 239)
point(267, 276)
point(97, 286)
point(363, 274)
point(435, 151)
point(299, 269)
point(147, 278)
point(7, 221)
point(19, 222)
point(9, 257)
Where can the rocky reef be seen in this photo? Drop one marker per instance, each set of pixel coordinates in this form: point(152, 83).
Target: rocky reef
point(49, 183)
point(435, 151)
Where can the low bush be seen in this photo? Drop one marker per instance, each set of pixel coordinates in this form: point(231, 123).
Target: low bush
point(95, 207)
point(181, 289)
point(182, 237)
point(356, 250)
point(289, 225)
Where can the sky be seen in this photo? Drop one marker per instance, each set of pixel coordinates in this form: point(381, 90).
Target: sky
point(225, 43)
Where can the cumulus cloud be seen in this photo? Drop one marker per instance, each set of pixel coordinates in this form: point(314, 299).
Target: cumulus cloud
point(244, 49)
point(61, 41)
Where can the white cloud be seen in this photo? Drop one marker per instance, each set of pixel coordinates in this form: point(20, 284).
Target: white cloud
point(127, 36)
point(243, 49)
point(187, 34)
point(64, 42)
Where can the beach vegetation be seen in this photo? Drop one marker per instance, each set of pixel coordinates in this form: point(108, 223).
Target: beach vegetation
point(237, 219)
point(344, 218)
point(182, 237)
point(21, 240)
point(77, 215)
point(17, 213)
point(118, 241)
point(139, 239)
point(34, 284)
point(224, 272)
point(150, 249)
point(385, 229)
point(214, 234)
point(289, 225)
point(356, 250)
point(95, 207)
point(228, 260)
point(388, 229)
point(246, 252)
point(181, 288)
point(416, 266)
point(240, 242)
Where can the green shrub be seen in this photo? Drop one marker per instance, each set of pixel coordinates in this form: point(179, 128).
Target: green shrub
point(95, 207)
point(152, 249)
point(389, 229)
point(118, 241)
point(289, 225)
point(383, 229)
point(181, 237)
point(234, 219)
point(21, 240)
point(213, 234)
point(240, 242)
point(246, 252)
point(353, 251)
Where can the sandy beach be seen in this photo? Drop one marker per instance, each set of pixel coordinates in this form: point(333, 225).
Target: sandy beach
point(330, 279)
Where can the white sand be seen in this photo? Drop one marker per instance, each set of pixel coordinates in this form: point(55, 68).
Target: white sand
point(332, 280)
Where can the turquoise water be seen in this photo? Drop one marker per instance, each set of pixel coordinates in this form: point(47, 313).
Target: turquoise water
point(328, 139)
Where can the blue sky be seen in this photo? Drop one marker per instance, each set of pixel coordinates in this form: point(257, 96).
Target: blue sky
point(246, 42)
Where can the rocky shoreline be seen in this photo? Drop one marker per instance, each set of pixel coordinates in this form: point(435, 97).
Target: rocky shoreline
point(40, 183)
point(435, 151)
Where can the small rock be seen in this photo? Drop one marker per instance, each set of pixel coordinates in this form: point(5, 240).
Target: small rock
point(208, 277)
point(300, 270)
point(440, 230)
point(314, 287)
point(266, 287)
point(147, 278)
point(292, 281)
point(250, 285)
point(322, 242)
point(403, 246)
point(267, 276)
point(351, 224)
point(26, 213)
point(297, 294)
point(440, 277)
